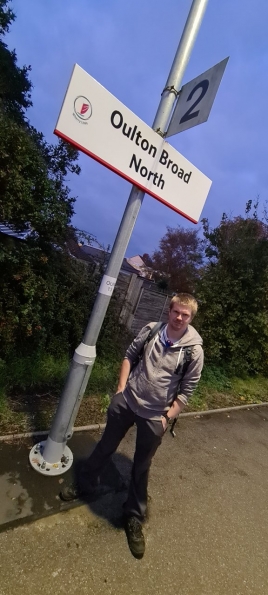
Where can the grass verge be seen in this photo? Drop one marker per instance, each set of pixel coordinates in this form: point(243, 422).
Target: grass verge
point(30, 389)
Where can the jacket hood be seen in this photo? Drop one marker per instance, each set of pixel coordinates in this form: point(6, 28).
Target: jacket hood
point(190, 337)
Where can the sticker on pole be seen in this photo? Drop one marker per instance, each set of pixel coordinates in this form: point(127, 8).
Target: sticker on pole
point(98, 124)
point(107, 285)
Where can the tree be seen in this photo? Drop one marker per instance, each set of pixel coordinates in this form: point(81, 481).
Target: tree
point(177, 261)
point(15, 87)
point(233, 294)
point(45, 298)
point(33, 194)
point(44, 293)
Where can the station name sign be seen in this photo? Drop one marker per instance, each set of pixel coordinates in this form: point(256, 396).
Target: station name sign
point(98, 124)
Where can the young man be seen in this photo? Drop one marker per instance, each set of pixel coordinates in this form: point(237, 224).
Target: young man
point(150, 394)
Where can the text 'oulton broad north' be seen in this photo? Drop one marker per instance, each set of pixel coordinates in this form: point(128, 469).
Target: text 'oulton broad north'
point(134, 135)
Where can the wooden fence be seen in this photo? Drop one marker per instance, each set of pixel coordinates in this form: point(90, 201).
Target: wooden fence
point(142, 302)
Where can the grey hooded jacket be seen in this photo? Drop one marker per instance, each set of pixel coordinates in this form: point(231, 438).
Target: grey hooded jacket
point(153, 384)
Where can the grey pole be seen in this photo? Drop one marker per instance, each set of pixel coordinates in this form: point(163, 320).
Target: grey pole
point(53, 457)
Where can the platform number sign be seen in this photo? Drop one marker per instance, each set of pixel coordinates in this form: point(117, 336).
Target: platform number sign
point(195, 99)
point(199, 91)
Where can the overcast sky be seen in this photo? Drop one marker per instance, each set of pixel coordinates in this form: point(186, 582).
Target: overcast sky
point(129, 48)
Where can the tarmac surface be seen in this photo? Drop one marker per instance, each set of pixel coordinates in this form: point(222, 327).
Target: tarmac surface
point(207, 532)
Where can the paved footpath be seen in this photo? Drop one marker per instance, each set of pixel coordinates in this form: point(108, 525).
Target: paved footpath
point(207, 533)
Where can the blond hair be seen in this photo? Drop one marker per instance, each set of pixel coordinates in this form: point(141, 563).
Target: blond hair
point(185, 299)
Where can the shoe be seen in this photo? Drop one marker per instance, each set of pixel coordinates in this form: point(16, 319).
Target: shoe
point(135, 536)
point(82, 487)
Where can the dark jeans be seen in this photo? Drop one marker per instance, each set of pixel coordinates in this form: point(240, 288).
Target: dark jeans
point(149, 436)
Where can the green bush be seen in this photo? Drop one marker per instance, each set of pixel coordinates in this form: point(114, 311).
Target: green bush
point(233, 296)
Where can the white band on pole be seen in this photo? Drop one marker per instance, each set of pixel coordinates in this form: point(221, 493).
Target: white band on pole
point(107, 285)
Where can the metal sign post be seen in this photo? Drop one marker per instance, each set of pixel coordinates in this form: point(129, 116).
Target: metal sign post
point(53, 457)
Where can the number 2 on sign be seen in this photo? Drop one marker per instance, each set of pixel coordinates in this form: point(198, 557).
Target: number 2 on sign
point(203, 85)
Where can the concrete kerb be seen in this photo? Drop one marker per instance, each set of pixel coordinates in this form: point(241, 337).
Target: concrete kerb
point(97, 427)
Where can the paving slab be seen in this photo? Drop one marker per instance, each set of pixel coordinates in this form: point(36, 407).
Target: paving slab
point(26, 495)
point(207, 532)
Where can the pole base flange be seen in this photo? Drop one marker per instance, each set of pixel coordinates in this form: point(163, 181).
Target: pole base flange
point(39, 464)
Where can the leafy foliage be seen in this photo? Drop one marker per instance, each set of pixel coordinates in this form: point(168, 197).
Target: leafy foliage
point(15, 87)
point(32, 173)
point(33, 194)
point(177, 261)
point(233, 294)
point(45, 298)
point(45, 293)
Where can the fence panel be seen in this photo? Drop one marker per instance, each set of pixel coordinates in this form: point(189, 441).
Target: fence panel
point(152, 306)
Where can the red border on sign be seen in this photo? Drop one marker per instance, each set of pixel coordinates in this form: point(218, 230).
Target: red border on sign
point(80, 148)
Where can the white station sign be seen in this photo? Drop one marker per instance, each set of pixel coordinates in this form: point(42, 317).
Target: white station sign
point(98, 124)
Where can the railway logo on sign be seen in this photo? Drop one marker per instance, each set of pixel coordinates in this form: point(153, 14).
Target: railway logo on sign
point(82, 108)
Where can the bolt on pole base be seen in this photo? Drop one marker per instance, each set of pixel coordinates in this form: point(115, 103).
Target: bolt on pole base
point(38, 462)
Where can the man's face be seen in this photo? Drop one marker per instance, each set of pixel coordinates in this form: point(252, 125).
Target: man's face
point(179, 317)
